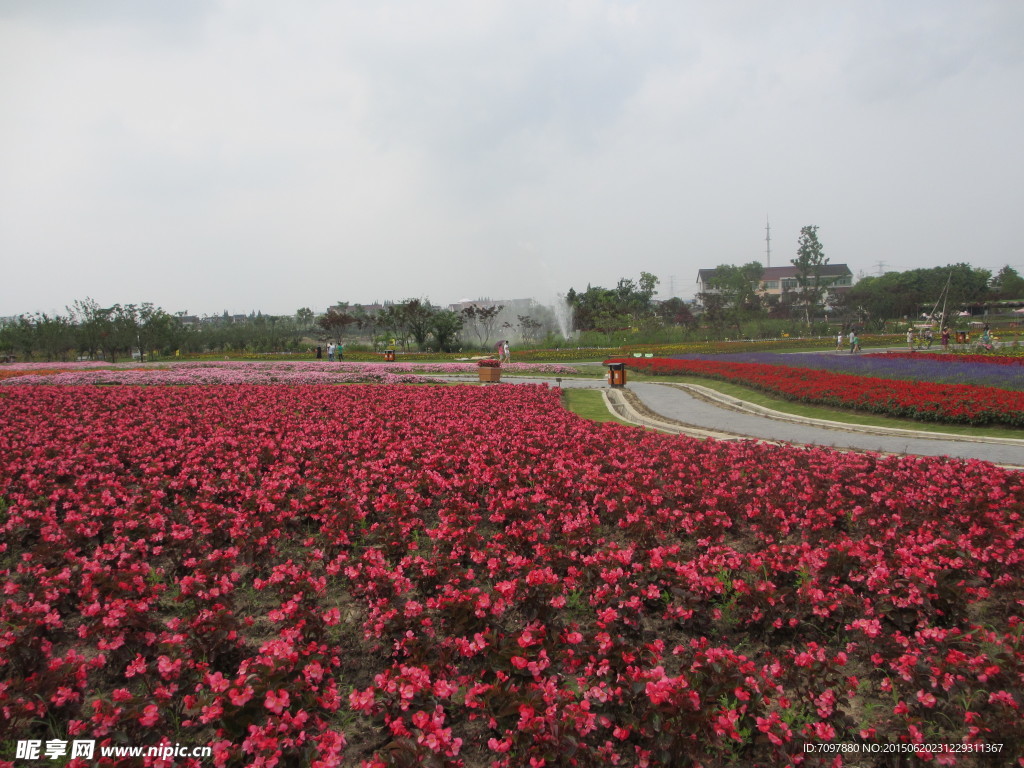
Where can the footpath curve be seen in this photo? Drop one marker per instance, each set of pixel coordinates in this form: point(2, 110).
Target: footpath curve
point(702, 412)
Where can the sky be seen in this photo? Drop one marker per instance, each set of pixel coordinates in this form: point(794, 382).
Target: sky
point(240, 155)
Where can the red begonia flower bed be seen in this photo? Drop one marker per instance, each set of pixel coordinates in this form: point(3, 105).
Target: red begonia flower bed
point(473, 576)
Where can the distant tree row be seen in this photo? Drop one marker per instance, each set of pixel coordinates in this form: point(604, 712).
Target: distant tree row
point(89, 331)
point(131, 331)
point(416, 320)
point(899, 295)
point(629, 305)
point(733, 306)
point(735, 295)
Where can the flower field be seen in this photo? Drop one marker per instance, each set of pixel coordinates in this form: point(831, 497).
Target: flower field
point(248, 372)
point(959, 357)
point(1002, 372)
point(470, 576)
point(921, 400)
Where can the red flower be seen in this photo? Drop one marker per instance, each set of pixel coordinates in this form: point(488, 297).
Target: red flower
point(276, 701)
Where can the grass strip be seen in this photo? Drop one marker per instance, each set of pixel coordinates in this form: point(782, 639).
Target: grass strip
point(589, 404)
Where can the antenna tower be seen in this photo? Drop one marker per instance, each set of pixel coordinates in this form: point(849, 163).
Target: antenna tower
point(768, 240)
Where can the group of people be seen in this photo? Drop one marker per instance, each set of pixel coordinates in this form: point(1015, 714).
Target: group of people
point(332, 350)
point(502, 348)
point(925, 339)
point(854, 341)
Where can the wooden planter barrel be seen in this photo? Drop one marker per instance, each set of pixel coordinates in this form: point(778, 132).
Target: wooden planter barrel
point(490, 374)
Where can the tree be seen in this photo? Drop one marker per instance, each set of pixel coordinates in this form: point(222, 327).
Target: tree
point(21, 337)
point(1007, 284)
point(336, 320)
point(89, 323)
point(419, 318)
point(810, 258)
point(675, 311)
point(482, 321)
point(628, 304)
point(733, 297)
point(392, 319)
point(646, 290)
point(445, 325)
point(528, 328)
point(123, 334)
point(909, 294)
point(54, 336)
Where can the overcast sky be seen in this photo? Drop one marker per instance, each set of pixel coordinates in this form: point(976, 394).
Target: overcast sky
point(252, 154)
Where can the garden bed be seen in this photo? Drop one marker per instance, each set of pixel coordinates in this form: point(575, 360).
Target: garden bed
point(394, 576)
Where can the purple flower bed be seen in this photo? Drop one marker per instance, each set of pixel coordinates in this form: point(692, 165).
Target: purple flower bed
point(925, 368)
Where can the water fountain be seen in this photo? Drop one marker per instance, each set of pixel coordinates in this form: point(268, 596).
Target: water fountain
point(559, 306)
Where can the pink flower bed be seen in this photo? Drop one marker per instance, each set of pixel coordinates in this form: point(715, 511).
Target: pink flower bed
point(469, 576)
point(246, 372)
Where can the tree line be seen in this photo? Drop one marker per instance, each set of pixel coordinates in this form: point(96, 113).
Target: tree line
point(908, 295)
point(733, 307)
point(735, 299)
point(142, 331)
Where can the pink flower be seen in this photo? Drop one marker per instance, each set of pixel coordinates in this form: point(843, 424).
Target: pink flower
point(362, 701)
point(150, 715)
point(167, 668)
point(136, 667)
point(276, 701)
point(1003, 697)
point(239, 697)
point(499, 746)
point(824, 731)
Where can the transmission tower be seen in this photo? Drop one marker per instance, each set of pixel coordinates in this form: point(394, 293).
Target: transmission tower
point(768, 240)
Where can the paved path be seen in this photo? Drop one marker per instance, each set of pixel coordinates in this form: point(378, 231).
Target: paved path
point(703, 412)
point(689, 406)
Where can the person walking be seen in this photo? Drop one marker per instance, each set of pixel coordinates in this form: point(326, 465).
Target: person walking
point(986, 340)
point(330, 352)
point(910, 339)
point(839, 342)
point(854, 342)
point(340, 349)
point(506, 352)
point(319, 352)
point(945, 339)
